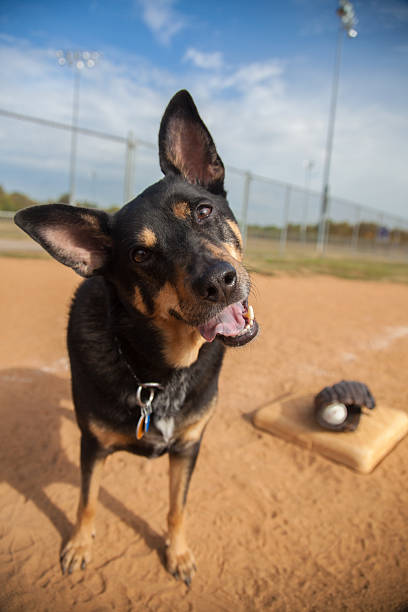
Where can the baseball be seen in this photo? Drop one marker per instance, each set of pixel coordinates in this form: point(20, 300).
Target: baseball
point(334, 414)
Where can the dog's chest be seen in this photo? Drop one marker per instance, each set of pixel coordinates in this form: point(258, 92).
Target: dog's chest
point(166, 427)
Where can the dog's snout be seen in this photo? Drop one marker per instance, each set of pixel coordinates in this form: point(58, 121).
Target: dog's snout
point(217, 283)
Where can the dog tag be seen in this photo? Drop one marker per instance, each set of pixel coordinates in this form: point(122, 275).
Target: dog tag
point(142, 426)
point(147, 422)
point(140, 429)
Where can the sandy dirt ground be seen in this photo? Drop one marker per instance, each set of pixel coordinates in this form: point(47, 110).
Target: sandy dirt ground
point(273, 526)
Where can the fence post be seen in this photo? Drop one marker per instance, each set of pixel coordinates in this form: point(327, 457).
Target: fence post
point(303, 227)
point(284, 230)
point(378, 240)
point(244, 210)
point(396, 236)
point(356, 229)
point(322, 234)
point(326, 235)
point(128, 181)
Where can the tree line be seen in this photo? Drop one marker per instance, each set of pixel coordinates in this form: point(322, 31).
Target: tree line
point(15, 200)
point(342, 230)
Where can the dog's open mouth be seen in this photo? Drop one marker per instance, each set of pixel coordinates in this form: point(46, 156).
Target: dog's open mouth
point(235, 325)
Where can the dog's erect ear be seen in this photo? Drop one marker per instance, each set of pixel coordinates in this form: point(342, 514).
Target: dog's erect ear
point(77, 237)
point(186, 146)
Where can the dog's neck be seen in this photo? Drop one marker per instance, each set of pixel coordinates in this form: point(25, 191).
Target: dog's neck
point(157, 346)
point(181, 342)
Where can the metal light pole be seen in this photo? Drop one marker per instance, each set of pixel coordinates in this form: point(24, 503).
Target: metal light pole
point(347, 22)
point(78, 60)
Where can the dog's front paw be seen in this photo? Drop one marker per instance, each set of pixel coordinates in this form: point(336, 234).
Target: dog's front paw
point(181, 564)
point(77, 552)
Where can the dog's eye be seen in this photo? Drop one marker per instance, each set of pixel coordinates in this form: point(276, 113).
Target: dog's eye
point(203, 211)
point(139, 254)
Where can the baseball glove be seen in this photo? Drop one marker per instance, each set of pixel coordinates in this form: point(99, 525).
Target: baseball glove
point(338, 407)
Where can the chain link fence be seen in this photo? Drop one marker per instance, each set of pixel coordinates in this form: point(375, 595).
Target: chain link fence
point(277, 217)
point(287, 218)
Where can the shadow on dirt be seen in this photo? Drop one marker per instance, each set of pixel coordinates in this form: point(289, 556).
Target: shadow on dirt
point(31, 453)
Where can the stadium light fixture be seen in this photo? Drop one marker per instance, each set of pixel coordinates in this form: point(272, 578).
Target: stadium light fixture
point(77, 60)
point(348, 22)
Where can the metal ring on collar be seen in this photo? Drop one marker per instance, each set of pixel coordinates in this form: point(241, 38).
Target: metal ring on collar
point(151, 387)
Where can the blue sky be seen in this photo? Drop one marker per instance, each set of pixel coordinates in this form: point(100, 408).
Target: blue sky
point(260, 73)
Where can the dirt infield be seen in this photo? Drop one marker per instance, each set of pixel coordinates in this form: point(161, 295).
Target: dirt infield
point(273, 526)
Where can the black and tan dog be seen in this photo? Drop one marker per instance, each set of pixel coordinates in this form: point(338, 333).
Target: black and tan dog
point(165, 292)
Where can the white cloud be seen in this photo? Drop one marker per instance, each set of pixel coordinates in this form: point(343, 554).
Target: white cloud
point(257, 121)
point(256, 73)
point(209, 61)
point(160, 16)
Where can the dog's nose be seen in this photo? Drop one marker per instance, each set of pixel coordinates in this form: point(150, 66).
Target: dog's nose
point(217, 283)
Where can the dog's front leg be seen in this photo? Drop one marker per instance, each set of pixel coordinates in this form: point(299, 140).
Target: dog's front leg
point(180, 559)
point(77, 552)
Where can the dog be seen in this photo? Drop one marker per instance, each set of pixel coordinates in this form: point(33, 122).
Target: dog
point(165, 291)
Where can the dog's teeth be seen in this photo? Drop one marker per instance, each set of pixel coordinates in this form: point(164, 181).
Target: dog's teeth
point(251, 313)
point(243, 331)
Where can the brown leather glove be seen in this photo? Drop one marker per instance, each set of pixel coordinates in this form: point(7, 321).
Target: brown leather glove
point(338, 407)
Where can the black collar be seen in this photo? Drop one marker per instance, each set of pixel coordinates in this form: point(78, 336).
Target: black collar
point(143, 400)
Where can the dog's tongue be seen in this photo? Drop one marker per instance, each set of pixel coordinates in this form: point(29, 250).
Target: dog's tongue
point(229, 322)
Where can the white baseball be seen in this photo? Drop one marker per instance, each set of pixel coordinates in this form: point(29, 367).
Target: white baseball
point(334, 414)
